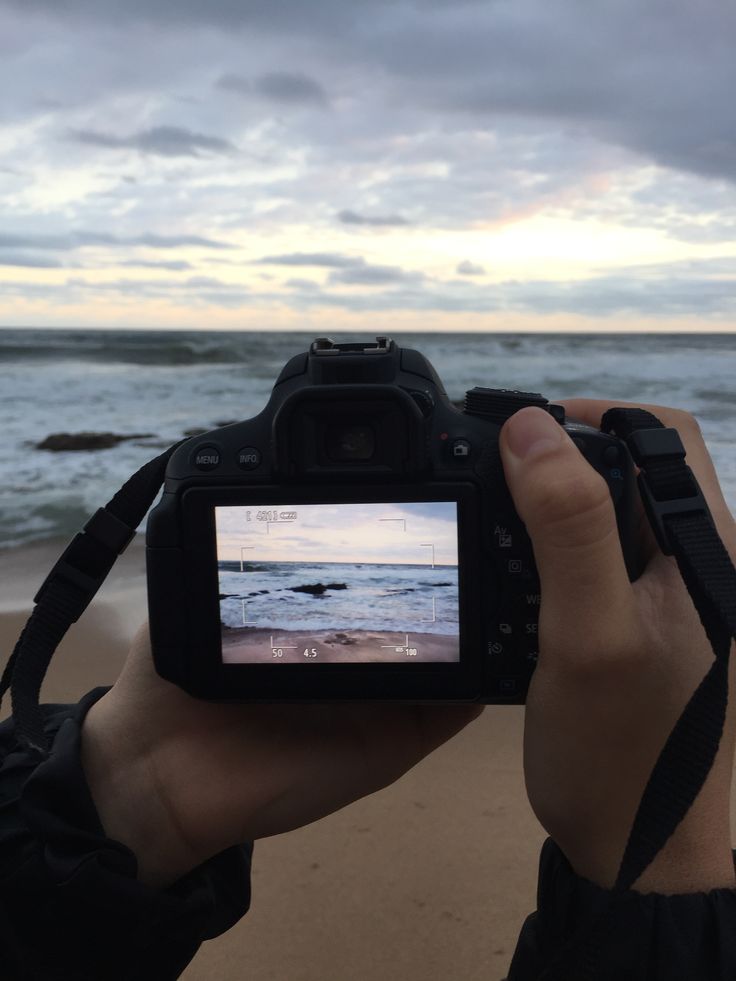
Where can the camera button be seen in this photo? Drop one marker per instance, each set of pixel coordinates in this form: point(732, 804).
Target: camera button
point(424, 401)
point(460, 449)
point(206, 458)
point(249, 458)
point(611, 456)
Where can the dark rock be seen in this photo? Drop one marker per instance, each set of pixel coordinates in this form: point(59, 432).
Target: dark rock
point(227, 595)
point(227, 422)
point(86, 441)
point(196, 431)
point(316, 589)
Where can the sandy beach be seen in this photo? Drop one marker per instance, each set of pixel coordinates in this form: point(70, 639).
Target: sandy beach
point(428, 880)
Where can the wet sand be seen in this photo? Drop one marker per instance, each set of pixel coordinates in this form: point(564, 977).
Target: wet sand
point(262, 646)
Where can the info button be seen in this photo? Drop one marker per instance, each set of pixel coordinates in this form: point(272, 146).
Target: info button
point(207, 458)
point(249, 458)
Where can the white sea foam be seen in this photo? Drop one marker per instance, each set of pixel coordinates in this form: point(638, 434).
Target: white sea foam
point(375, 597)
point(166, 382)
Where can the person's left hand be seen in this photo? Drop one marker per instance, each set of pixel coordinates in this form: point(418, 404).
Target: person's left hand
point(178, 780)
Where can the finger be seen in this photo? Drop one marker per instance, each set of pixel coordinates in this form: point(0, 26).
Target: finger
point(590, 412)
point(569, 516)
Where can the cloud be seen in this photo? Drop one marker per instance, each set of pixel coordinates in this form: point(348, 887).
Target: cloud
point(328, 260)
point(297, 283)
point(347, 270)
point(30, 261)
point(84, 239)
point(449, 65)
point(235, 83)
point(373, 275)
point(348, 217)
point(468, 118)
point(164, 141)
point(174, 265)
point(202, 289)
point(285, 88)
point(291, 88)
point(154, 241)
point(467, 268)
point(705, 288)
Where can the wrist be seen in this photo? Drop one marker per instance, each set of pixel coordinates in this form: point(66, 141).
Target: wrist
point(132, 810)
point(696, 858)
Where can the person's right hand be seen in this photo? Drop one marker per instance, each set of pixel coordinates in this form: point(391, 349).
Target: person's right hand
point(618, 661)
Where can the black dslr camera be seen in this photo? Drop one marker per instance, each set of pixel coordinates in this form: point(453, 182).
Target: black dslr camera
point(356, 540)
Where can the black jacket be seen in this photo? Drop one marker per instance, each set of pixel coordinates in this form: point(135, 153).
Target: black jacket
point(71, 908)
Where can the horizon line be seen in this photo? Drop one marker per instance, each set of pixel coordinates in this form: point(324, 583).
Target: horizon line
point(361, 330)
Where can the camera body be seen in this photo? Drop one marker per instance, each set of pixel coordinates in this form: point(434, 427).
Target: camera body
point(356, 541)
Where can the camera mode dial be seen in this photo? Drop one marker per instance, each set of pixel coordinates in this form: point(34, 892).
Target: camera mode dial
point(498, 404)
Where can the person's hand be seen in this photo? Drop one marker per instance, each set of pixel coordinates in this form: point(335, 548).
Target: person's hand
point(178, 779)
point(618, 661)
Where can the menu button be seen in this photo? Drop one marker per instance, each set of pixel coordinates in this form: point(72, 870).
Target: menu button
point(207, 458)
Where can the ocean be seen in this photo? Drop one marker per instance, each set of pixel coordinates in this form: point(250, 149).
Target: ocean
point(158, 384)
point(365, 596)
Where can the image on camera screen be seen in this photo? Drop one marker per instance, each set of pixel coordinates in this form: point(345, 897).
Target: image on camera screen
point(338, 583)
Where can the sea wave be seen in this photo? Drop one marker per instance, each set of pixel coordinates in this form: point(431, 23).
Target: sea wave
point(168, 382)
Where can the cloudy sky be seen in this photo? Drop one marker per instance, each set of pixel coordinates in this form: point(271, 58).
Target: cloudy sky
point(415, 533)
point(324, 164)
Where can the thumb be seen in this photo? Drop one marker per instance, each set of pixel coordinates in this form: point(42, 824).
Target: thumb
point(587, 602)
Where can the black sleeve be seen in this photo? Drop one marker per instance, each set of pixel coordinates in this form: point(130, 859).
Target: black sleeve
point(71, 907)
point(580, 930)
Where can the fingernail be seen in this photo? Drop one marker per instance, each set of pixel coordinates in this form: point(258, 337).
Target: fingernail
point(532, 431)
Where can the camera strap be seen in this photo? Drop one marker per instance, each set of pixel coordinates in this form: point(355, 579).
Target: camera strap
point(681, 522)
point(67, 591)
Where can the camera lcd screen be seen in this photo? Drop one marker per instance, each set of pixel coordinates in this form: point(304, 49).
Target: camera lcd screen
point(339, 583)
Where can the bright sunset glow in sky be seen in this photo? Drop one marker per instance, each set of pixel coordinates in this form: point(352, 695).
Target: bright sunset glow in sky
point(325, 165)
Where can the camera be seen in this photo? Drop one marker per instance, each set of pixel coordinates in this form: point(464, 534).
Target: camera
point(356, 540)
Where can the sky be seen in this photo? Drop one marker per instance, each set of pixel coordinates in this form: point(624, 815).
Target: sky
point(414, 533)
point(539, 165)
